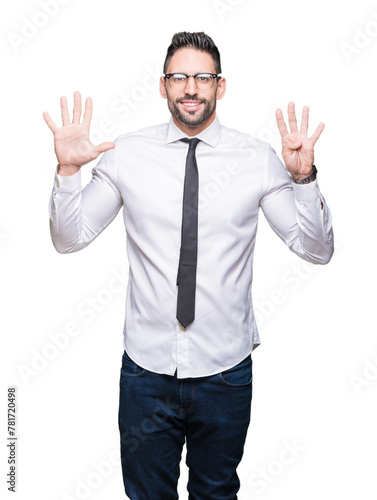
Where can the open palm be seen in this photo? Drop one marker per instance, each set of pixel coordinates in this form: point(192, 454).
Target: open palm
point(72, 144)
point(297, 148)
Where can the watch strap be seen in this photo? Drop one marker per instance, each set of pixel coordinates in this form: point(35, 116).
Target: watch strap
point(308, 179)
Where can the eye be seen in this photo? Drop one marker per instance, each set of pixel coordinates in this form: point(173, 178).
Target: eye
point(177, 77)
point(204, 78)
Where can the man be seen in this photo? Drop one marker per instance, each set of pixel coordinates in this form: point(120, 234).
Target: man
point(191, 191)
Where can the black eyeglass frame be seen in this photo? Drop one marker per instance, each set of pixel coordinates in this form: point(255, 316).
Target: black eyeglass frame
point(214, 75)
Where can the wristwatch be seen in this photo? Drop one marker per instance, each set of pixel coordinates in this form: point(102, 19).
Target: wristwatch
point(308, 179)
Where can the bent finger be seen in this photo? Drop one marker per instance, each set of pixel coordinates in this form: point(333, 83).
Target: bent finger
point(292, 143)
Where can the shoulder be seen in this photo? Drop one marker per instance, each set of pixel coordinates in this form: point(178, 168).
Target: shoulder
point(238, 139)
point(152, 133)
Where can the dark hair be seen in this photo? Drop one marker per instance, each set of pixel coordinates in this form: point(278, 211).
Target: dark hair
point(199, 41)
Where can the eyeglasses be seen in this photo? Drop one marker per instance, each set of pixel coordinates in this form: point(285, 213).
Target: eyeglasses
point(179, 81)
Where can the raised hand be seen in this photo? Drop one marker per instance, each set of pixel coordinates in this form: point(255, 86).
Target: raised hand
point(297, 148)
point(72, 145)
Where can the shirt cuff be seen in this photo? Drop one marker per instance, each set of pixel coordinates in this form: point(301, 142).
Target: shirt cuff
point(306, 192)
point(67, 183)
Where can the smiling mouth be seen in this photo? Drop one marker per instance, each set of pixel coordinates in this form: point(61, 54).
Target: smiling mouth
point(190, 105)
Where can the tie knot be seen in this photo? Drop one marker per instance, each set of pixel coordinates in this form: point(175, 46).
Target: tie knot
point(191, 142)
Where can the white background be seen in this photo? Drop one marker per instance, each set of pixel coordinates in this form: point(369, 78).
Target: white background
point(315, 375)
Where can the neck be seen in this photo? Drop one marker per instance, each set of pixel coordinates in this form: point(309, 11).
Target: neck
point(192, 130)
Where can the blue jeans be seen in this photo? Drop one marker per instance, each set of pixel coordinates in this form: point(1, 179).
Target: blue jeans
point(158, 412)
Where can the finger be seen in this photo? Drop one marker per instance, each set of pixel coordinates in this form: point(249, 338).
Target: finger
point(76, 107)
point(317, 133)
point(105, 146)
point(51, 125)
point(88, 112)
point(292, 143)
point(292, 117)
point(65, 113)
point(304, 120)
point(295, 145)
point(281, 123)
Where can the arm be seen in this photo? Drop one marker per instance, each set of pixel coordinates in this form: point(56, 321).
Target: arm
point(78, 216)
point(298, 213)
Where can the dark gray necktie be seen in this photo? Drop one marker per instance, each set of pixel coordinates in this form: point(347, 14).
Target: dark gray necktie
point(186, 279)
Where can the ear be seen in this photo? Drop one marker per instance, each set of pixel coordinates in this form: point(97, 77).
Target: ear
point(221, 87)
point(163, 88)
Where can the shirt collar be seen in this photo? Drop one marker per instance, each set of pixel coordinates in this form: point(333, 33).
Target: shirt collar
point(209, 135)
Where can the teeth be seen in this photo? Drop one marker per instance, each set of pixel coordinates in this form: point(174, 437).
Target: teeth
point(191, 103)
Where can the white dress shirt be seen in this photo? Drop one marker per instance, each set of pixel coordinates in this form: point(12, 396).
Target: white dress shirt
point(237, 176)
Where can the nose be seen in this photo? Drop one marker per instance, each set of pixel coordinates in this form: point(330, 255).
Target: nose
point(191, 87)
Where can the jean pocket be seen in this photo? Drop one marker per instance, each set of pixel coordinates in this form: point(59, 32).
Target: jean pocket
point(240, 375)
point(130, 368)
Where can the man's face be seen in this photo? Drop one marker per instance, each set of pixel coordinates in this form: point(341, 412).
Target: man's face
point(192, 109)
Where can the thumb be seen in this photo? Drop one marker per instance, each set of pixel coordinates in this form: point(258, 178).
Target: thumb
point(293, 144)
point(104, 147)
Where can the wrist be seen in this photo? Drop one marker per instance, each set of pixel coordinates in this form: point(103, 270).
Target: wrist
point(298, 177)
point(67, 170)
point(305, 179)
